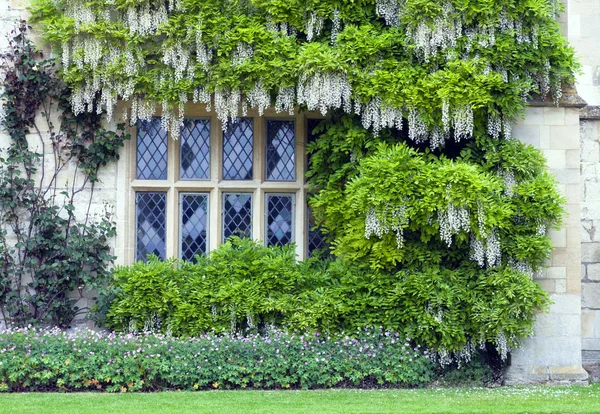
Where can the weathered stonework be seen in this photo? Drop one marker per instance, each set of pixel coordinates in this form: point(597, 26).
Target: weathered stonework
point(554, 353)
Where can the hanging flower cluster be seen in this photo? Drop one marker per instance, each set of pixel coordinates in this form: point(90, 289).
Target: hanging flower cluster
point(186, 47)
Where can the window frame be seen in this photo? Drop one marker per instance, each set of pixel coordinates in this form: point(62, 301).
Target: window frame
point(215, 186)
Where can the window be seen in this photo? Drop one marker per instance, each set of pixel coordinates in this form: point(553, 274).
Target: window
point(192, 194)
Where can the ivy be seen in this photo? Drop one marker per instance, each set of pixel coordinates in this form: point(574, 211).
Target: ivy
point(48, 250)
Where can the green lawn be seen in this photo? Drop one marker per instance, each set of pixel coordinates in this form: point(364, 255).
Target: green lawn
point(468, 400)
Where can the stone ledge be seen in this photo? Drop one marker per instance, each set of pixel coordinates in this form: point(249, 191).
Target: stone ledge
point(574, 374)
point(570, 99)
point(590, 112)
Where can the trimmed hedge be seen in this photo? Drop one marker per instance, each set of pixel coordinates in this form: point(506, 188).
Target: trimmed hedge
point(50, 359)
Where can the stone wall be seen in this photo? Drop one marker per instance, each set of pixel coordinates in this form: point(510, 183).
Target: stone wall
point(590, 237)
point(584, 35)
point(105, 193)
point(554, 353)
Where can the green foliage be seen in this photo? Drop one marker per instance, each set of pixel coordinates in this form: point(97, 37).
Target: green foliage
point(411, 54)
point(457, 229)
point(477, 373)
point(51, 360)
point(243, 286)
point(47, 250)
point(419, 186)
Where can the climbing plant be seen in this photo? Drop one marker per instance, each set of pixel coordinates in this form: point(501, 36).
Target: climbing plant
point(49, 249)
point(415, 171)
point(443, 65)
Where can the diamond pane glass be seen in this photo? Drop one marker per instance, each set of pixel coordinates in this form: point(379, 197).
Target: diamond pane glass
point(151, 150)
point(194, 221)
point(315, 237)
point(279, 220)
point(281, 159)
point(238, 150)
point(195, 149)
point(237, 215)
point(151, 224)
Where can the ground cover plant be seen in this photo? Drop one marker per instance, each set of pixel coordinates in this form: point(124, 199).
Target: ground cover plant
point(51, 360)
point(501, 400)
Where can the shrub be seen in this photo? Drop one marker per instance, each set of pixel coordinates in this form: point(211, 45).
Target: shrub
point(244, 287)
point(50, 359)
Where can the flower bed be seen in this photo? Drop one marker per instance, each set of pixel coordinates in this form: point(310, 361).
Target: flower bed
point(50, 359)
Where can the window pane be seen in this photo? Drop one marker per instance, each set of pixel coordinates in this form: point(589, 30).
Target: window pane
point(238, 150)
point(237, 215)
point(279, 220)
point(315, 237)
point(194, 225)
point(195, 149)
point(151, 150)
point(151, 224)
point(281, 164)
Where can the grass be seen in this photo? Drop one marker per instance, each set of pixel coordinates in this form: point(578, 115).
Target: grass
point(539, 399)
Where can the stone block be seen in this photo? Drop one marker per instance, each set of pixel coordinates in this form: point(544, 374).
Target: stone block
point(548, 285)
point(590, 210)
point(556, 159)
point(566, 176)
point(573, 373)
point(588, 170)
point(564, 137)
point(590, 151)
point(590, 252)
point(584, 7)
point(573, 193)
point(587, 323)
point(554, 116)
point(572, 116)
point(558, 237)
point(590, 344)
point(590, 295)
point(544, 137)
point(533, 117)
point(593, 271)
point(574, 28)
point(572, 159)
point(527, 134)
point(588, 231)
point(556, 272)
point(560, 286)
point(591, 190)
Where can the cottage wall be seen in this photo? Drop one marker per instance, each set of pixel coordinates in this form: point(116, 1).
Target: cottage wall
point(573, 152)
point(105, 193)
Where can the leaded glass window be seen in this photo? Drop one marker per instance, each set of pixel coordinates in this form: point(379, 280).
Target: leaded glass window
point(151, 150)
point(279, 219)
point(151, 224)
point(281, 142)
point(315, 240)
point(194, 225)
point(238, 150)
point(237, 215)
point(195, 150)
